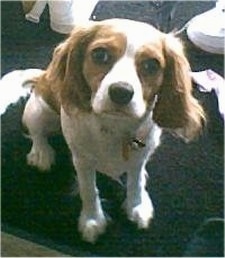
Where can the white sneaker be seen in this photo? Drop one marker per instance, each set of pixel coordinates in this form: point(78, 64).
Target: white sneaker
point(207, 30)
point(64, 14)
point(34, 14)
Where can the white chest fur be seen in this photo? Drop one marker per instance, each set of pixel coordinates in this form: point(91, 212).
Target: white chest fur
point(108, 144)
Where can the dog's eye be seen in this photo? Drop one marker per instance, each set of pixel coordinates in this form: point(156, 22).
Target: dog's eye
point(101, 56)
point(150, 66)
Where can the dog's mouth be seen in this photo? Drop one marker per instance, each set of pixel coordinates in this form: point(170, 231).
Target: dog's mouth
point(116, 114)
point(118, 111)
point(133, 111)
point(121, 115)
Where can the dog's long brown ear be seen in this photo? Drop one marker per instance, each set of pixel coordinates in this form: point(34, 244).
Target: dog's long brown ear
point(65, 70)
point(176, 108)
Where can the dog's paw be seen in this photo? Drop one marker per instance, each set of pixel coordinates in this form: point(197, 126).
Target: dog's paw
point(142, 213)
point(91, 228)
point(41, 157)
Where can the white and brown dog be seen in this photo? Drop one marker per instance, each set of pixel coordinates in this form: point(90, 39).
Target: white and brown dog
point(112, 85)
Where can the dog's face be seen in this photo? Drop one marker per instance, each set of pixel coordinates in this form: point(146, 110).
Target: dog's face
point(122, 68)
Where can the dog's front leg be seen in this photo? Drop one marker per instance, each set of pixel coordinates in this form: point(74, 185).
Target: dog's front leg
point(92, 221)
point(139, 205)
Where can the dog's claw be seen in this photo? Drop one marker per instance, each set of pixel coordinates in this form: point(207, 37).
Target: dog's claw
point(42, 158)
point(92, 228)
point(142, 213)
point(141, 217)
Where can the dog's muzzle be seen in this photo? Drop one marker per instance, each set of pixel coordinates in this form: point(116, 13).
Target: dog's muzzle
point(121, 93)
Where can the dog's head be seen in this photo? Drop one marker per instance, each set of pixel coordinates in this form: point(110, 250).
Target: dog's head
point(125, 68)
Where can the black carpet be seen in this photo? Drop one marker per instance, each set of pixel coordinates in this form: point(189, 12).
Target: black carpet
point(186, 180)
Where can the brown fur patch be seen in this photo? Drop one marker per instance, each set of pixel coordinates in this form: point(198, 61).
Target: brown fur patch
point(150, 81)
point(176, 107)
point(114, 43)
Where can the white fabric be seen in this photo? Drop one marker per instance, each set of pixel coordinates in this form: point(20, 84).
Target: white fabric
point(36, 11)
point(207, 30)
point(207, 81)
point(64, 14)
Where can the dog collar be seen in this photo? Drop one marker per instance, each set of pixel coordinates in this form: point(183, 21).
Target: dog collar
point(134, 144)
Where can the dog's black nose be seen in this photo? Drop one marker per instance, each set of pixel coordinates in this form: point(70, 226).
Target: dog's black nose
point(121, 93)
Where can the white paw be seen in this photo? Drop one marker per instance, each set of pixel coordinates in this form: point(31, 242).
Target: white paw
point(91, 228)
point(142, 213)
point(42, 157)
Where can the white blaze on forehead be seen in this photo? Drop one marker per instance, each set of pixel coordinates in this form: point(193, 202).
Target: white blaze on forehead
point(137, 33)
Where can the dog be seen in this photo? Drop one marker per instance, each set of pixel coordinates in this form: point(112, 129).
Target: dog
point(111, 87)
